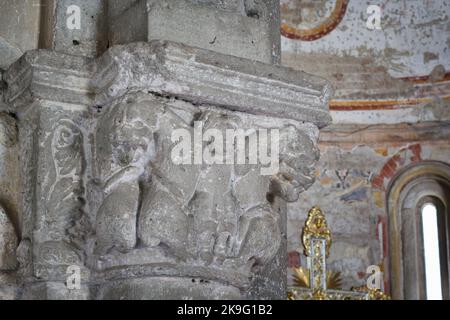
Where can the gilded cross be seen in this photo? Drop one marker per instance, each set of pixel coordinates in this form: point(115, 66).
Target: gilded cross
point(315, 283)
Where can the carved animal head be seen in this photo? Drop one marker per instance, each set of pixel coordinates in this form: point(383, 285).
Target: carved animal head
point(298, 156)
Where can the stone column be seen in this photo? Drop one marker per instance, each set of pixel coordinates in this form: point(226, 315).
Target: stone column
point(114, 180)
point(49, 93)
point(244, 28)
point(77, 27)
point(8, 261)
point(19, 29)
point(199, 230)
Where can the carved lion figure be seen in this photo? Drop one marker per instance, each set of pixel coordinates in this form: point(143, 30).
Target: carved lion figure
point(213, 214)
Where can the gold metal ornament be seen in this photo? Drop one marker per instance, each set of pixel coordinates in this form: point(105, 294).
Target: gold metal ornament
point(301, 278)
point(372, 294)
point(316, 283)
point(316, 227)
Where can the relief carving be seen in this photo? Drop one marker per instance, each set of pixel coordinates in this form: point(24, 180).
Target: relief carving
point(124, 148)
point(298, 157)
point(59, 239)
point(103, 193)
point(203, 215)
point(63, 194)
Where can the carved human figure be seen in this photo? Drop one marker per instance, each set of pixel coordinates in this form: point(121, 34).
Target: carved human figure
point(243, 228)
point(194, 210)
point(123, 148)
point(298, 156)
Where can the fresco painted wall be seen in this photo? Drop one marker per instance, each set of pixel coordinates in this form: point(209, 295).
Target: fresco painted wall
point(391, 109)
point(351, 189)
point(413, 39)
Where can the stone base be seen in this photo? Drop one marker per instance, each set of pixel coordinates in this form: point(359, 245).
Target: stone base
point(53, 291)
point(8, 286)
point(166, 288)
point(8, 293)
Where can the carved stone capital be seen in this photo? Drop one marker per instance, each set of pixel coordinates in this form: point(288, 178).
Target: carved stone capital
point(102, 190)
point(47, 75)
point(216, 222)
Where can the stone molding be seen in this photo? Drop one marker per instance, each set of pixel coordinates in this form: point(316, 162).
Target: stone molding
point(167, 68)
point(205, 77)
point(47, 75)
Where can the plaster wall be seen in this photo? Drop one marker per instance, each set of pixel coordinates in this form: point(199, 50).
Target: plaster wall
point(354, 204)
point(413, 39)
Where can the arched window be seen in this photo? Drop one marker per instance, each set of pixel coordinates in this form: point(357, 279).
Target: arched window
point(434, 247)
point(418, 219)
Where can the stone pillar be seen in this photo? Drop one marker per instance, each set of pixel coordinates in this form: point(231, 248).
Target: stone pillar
point(243, 28)
point(9, 195)
point(49, 93)
point(8, 260)
point(19, 29)
point(76, 27)
point(114, 180)
point(199, 230)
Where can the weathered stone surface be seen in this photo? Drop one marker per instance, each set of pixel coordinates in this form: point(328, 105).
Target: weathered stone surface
point(47, 75)
point(103, 192)
point(61, 34)
point(382, 124)
point(8, 286)
point(54, 291)
point(51, 208)
point(202, 76)
point(243, 28)
point(19, 29)
point(165, 288)
point(8, 293)
point(214, 220)
point(8, 130)
point(10, 190)
point(8, 243)
point(2, 89)
point(48, 98)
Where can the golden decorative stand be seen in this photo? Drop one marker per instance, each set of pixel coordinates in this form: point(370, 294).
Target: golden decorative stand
point(316, 283)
